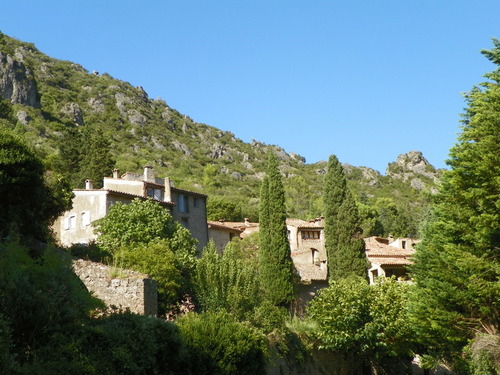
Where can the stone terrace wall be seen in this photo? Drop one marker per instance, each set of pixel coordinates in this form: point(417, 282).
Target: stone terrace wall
point(129, 290)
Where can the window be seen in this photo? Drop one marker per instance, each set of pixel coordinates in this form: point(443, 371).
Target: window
point(70, 222)
point(183, 203)
point(85, 218)
point(156, 194)
point(196, 202)
point(310, 234)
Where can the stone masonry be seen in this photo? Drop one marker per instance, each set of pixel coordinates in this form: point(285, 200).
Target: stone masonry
point(123, 289)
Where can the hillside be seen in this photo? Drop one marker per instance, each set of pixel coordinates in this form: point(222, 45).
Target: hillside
point(47, 101)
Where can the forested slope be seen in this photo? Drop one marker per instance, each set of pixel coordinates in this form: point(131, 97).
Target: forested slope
point(84, 123)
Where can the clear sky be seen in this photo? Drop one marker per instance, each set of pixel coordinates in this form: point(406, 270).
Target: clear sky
point(365, 80)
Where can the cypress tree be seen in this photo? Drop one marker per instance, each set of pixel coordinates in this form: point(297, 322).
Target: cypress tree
point(275, 262)
point(97, 161)
point(344, 246)
point(457, 264)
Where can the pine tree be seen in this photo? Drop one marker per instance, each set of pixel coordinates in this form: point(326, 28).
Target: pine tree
point(275, 262)
point(344, 246)
point(457, 265)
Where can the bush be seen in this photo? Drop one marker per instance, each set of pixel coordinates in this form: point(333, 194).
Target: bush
point(227, 282)
point(133, 344)
point(220, 345)
point(42, 302)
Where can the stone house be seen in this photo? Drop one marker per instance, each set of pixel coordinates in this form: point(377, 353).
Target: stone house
point(222, 234)
point(389, 257)
point(307, 246)
point(247, 228)
point(89, 204)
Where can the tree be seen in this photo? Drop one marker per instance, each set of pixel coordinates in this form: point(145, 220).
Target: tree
point(43, 303)
point(366, 323)
point(143, 235)
point(344, 245)
point(221, 209)
point(97, 161)
point(139, 222)
point(29, 202)
point(84, 154)
point(457, 264)
point(275, 262)
point(157, 260)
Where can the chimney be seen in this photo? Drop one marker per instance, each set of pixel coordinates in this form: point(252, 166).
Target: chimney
point(116, 173)
point(89, 185)
point(247, 222)
point(167, 196)
point(149, 175)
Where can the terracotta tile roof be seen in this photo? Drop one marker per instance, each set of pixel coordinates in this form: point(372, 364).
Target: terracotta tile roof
point(222, 226)
point(390, 261)
point(247, 228)
point(311, 272)
point(295, 222)
point(303, 224)
point(378, 251)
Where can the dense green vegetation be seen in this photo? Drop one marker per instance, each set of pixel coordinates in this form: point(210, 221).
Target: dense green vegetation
point(457, 265)
point(368, 324)
point(49, 324)
point(144, 237)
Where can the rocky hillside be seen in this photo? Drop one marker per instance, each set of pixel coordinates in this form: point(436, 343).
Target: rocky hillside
point(50, 97)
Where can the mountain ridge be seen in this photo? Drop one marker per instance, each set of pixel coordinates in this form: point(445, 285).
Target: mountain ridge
point(49, 97)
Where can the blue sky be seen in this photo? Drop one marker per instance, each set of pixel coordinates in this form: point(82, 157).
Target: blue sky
point(364, 80)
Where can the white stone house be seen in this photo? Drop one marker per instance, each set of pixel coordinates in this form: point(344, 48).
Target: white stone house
point(89, 205)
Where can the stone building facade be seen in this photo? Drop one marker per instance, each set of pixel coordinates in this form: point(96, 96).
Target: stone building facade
point(222, 234)
point(389, 257)
point(186, 207)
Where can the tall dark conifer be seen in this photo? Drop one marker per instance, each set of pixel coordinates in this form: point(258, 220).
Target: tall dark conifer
point(275, 262)
point(344, 245)
point(457, 264)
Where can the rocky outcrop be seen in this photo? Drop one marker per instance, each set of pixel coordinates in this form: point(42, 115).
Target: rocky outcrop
point(17, 83)
point(412, 167)
point(74, 112)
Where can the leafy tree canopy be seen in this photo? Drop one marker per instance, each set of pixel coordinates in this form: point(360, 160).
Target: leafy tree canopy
point(30, 200)
point(143, 236)
point(366, 321)
point(139, 222)
point(221, 209)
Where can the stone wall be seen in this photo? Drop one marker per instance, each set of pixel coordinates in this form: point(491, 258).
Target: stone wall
point(118, 287)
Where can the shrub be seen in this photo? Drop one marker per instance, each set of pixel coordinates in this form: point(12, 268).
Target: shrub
point(220, 345)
